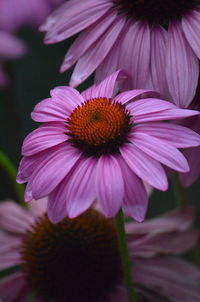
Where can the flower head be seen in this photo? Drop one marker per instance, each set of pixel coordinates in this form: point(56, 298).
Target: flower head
point(55, 260)
point(96, 146)
point(156, 41)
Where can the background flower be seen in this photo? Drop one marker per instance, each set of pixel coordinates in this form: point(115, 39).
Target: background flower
point(151, 244)
point(93, 145)
point(157, 42)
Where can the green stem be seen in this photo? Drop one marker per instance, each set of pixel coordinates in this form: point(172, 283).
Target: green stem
point(9, 168)
point(179, 191)
point(125, 257)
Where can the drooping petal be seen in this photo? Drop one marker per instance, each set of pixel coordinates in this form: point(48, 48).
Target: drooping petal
point(191, 28)
point(14, 218)
point(109, 184)
point(130, 95)
point(135, 53)
point(52, 170)
point(44, 137)
point(160, 151)
point(182, 67)
point(193, 158)
point(144, 166)
point(86, 40)
point(94, 56)
point(135, 199)
point(81, 190)
point(76, 16)
point(158, 59)
point(177, 136)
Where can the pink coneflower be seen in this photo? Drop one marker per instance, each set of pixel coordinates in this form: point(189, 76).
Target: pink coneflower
point(79, 259)
point(93, 145)
point(10, 48)
point(17, 13)
point(158, 42)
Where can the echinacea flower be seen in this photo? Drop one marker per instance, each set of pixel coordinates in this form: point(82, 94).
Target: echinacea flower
point(93, 145)
point(79, 260)
point(14, 14)
point(10, 48)
point(158, 42)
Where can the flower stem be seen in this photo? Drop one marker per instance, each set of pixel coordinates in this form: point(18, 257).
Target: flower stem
point(179, 191)
point(125, 257)
point(8, 167)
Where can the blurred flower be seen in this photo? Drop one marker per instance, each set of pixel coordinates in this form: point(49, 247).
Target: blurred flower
point(93, 145)
point(158, 42)
point(15, 14)
point(10, 48)
point(56, 260)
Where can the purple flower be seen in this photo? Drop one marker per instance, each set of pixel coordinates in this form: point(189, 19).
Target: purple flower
point(55, 260)
point(96, 145)
point(158, 42)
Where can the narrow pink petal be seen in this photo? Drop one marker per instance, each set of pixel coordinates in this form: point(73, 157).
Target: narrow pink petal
point(44, 137)
point(135, 53)
point(128, 96)
point(59, 107)
point(11, 287)
point(163, 244)
point(160, 151)
point(193, 158)
point(169, 114)
point(95, 55)
point(74, 19)
point(52, 170)
point(14, 218)
point(56, 207)
point(81, 189)
point(173, 278)
point(191, 28)
point(158, 59)
point(149, 106)
point(144, 166)
point(10, 259)
point(182, 67)
point(177, 136)
point(86, 40)
point(135, 200)
point(109, 184)
point(177, 220)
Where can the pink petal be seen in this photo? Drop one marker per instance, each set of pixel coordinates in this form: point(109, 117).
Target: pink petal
point(44, 137)
point(135, 200)
point(177, 136)
point(158, 59)
point(191, 28)
point(110, 184)
point(163, 244)
point(135, 53)
point(170, 114)
point(173, 278)
point(17, 283)
point(177, 220)
point(59, 107)
point(14, 218)
point(193, 158)
point(132, 95)
point(56, 207)
point(10, 46)
point(144, 166)
point(81, 190)
point(160, 151)
point(50, 172)
point(86, 40)
point(95, 55)
point(182, 67)
point(76, 16)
